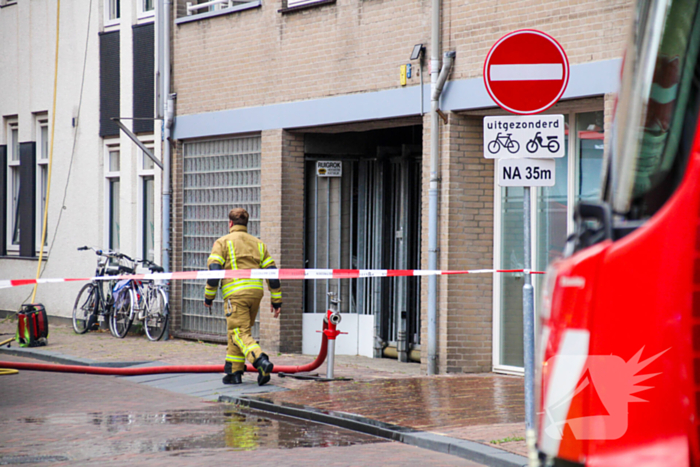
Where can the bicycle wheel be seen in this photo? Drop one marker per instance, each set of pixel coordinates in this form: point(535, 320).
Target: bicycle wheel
point(84, 307)
point(122, 317)
point(493, 147)
point(553, 146)
point(513, 146)
point(156, 319)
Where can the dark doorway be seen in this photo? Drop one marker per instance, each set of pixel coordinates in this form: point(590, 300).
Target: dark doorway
point(363, 204)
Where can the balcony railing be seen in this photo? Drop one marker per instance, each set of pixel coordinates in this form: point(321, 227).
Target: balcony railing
point(211, 5)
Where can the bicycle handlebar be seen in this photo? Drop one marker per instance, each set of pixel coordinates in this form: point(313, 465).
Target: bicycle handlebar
point(153, 267)
point(113, 254)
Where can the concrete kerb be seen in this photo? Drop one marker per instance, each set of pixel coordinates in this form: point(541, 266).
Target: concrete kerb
point(465, 449)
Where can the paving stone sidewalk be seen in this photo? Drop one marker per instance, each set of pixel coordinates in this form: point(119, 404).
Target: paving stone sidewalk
point(484, 408)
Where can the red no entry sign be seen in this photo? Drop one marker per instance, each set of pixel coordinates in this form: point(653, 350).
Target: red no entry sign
point(526, 72)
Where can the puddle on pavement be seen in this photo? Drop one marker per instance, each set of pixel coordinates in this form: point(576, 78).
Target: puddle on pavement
point(218, 427)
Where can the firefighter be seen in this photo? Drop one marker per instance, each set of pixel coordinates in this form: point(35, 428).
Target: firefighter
point(240, 250)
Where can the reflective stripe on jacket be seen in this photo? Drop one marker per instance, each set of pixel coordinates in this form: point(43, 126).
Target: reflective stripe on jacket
point(240, 250)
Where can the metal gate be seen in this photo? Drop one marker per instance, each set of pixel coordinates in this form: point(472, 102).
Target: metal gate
point(218, 176)
point(368, 218)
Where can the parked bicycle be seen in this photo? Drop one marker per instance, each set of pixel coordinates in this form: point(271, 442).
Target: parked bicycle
point(144, 300)
point(504, 140)
point(94, 303)
point(535, 143)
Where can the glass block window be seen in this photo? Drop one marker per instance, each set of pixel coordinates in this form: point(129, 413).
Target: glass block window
point(219, 175)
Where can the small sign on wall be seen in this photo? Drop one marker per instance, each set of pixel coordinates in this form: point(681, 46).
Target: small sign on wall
point(329, 168)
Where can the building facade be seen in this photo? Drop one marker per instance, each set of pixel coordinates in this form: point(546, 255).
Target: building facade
point(268, 93)
point(103, 191)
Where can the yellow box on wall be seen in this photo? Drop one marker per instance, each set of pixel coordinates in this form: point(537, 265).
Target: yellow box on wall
point(403, 75)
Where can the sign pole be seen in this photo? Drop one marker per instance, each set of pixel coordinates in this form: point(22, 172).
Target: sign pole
point(528, 316)
point(526, 72)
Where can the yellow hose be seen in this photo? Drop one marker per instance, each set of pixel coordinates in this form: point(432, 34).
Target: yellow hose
point(53, 127)
point(7, 371)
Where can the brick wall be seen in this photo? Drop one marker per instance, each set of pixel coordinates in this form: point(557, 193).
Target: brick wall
point(466, 238)
point(588, 30)
point(260, 56)
point(176, 226)
point(282, 229)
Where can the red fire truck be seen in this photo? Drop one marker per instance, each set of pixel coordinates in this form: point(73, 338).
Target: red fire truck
point(618, 358)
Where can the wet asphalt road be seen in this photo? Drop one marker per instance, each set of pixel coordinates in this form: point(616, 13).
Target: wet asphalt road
point(71, 419)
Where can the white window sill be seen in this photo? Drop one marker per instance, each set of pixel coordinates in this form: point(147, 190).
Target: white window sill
point(146, 17)
point(112, 25)
point(304, 6)
point(227, 11)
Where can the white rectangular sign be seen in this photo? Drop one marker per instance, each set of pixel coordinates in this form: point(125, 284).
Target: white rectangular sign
point(526, 172)
point(540, 136)
point(329, 168)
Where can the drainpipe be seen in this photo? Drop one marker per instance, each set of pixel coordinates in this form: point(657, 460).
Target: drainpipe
point(168, 115)
point(437, 81)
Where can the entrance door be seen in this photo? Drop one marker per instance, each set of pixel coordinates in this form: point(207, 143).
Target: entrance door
point(367, 218)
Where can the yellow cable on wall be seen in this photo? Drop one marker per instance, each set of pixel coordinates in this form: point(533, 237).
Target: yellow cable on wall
point(53, 127)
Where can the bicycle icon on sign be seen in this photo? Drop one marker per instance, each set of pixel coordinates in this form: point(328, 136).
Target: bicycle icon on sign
point(503, 140)
point(535, 143)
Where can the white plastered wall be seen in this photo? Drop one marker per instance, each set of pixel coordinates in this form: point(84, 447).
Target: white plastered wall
point(28, 35)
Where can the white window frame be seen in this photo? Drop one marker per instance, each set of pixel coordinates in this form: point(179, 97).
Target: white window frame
point(572, 189)
point(142, 12)
point(144, 174)
point(296, 3)
point(109, 6)
point(12, 128)
point(110, 175)
point(42, 167)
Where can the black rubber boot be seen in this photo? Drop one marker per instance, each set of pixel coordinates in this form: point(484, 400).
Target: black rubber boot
point(234, 378)
point(264, 367)
point(231, 377)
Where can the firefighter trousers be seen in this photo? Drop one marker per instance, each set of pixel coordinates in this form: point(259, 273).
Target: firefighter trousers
point(240, 317)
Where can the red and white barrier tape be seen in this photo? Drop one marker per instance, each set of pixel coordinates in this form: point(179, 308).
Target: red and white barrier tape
point(310, 274)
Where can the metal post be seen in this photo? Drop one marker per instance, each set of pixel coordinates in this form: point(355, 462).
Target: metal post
point(328, 233)
point(332, 320)
point(350, 265)
point(377, 220)
point(331, 358)
point(315, 237)
point(340, 230)
point(528, 318)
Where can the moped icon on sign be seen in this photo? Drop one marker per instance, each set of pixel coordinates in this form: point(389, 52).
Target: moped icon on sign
point(540, 136)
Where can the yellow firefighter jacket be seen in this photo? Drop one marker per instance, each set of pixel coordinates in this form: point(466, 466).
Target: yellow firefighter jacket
point(240, 250)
